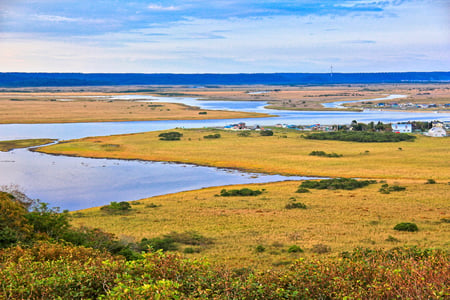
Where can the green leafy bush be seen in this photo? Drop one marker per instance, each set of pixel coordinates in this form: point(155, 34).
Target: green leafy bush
point(67, 272)
point(431, 181)
point(405, 226)
point(336, 184)
point(170, 136)
point(241, 192)
point(116, 207)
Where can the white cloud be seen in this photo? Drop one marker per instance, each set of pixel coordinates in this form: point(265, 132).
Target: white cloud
point(51, 18)
point(158, 7)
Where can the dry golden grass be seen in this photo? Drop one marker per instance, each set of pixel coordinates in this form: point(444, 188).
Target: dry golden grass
point(6, 146)
point(339, 219)
point(41, 109)
point(422, 159)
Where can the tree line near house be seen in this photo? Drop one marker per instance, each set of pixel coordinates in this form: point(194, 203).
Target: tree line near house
point(361, 136)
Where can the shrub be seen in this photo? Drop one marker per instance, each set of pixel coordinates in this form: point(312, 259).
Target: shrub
point(302, 190)
point(294, 249)
point(189, 238)
point(337, 183)
point(431, 181)
point(212, 136)
point(170, 136)
point(324, 154)
point(116, 207)
point(241, 192)
point(405, 226)
point(202, 112)
point(293, 205)
point(386, 189)
point(260, 248)
point(266, 133)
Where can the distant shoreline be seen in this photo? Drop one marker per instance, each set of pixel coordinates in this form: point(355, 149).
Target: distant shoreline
point(20, 79)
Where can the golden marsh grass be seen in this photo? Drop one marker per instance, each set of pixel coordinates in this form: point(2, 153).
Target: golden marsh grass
point(45, 109)
point(284, 153)
point(339, 219)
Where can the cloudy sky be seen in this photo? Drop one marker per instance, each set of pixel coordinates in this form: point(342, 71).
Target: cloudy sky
point(224, 36)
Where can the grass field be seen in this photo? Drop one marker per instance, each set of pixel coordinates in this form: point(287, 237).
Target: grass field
point(6, 146)
point(46, 109)
point(338, 219)
point(284, 153)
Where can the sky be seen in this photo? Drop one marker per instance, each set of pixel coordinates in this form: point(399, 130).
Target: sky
point(224, 36)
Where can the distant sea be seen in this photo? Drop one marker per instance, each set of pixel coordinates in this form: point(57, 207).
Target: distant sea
point(15, 80)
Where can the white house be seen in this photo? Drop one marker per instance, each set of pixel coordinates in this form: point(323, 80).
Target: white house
point(437, 131)
point(401, 128)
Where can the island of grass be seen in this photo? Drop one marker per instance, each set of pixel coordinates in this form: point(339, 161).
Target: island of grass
point(286, 152)
point(81, 107)
point(6, 146)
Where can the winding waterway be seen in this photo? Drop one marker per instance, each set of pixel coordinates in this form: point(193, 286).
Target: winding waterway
point(75, 183)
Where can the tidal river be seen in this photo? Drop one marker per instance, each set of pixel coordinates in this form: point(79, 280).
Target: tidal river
point(76, 183)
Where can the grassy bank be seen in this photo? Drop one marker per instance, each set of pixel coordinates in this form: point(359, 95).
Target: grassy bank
point(258, 231)
point(6, 146)
point(45, 109)
point(286, 152)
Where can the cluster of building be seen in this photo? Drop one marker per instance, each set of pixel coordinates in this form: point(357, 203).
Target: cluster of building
point(409, 105)
point(438, 129)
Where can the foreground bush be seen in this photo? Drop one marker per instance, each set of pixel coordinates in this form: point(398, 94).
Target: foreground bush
point(54, 271)
point(51, 271)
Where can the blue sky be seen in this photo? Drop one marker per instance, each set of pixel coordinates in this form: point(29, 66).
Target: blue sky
point(224, 36)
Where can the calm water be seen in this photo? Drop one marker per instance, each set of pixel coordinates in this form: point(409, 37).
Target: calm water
point(76, 183)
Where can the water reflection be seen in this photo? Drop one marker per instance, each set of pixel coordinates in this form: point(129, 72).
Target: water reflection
point(75, 183)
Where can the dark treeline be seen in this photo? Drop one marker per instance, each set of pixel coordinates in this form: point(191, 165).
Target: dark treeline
point(100, 79)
